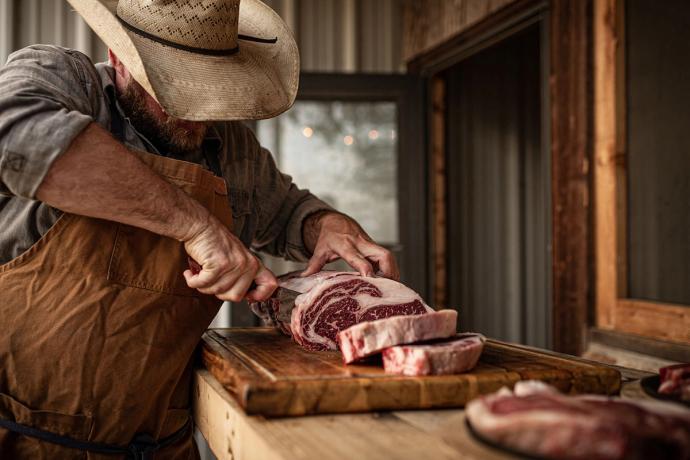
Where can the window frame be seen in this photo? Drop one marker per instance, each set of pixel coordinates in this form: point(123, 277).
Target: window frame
point(614, 309)
point(407, 92)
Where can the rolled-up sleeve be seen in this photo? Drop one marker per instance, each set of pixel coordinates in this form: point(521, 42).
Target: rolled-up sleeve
point(44, 105)
point(283, 208)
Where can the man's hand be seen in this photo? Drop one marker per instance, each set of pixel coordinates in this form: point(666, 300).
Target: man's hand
point(331, 235)
point(228, 268)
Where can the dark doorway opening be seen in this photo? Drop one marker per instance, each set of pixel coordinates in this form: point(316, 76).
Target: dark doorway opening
point(498, 190)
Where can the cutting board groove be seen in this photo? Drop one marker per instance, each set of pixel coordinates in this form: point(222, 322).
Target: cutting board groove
point(270, 375)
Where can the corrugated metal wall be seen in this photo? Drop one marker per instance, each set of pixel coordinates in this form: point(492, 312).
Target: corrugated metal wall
point(26, 22)
point(498, 224)
point(333, 35)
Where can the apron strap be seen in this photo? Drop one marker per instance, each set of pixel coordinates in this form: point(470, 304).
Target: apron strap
point(141, 447)
point(210, 151)
point(117, 124)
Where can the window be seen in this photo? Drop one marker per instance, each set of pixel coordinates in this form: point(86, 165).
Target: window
point(642, 168)
point(346, 154)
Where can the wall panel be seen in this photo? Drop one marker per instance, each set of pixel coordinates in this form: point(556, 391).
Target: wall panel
point(333, 35)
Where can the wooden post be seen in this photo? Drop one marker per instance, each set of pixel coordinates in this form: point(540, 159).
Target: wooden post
point(571, 172)
point(605, 153)
point(438, 191)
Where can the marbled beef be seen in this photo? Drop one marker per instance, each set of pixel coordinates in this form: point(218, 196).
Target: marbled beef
point(333, 301)
point(372, 337)
point(675, 381)
point(453, 355)
point(537, 420)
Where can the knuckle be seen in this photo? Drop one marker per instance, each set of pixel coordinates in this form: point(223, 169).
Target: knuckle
point(224, 265)
point(243, 261)
point(254, 264)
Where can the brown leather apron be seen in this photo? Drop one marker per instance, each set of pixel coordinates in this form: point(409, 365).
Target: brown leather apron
point(97, 328)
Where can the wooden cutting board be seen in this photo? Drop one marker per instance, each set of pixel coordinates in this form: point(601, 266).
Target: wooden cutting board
point(271, 375)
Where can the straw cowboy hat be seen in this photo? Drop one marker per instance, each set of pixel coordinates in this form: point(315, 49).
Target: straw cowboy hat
point(202, 59)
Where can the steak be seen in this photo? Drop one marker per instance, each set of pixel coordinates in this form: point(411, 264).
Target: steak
point(371, 337)
point(537, 420)
point(274, 312)
point(675, 381)
point(333, 301)
point(441, 357)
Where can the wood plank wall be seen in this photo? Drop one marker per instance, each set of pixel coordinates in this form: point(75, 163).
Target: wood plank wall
point(429, 23)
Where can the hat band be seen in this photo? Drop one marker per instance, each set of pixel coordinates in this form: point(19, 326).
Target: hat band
point(192, 49)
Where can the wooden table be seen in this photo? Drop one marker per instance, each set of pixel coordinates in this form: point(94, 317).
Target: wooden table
point(432, 434)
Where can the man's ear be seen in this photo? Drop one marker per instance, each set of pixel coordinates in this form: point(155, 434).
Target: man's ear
point(120, 69)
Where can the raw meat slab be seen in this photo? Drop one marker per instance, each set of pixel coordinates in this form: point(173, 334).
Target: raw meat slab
point(371, 337)
point(443, 357)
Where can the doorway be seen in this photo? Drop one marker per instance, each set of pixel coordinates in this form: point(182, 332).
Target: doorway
point(497, 203)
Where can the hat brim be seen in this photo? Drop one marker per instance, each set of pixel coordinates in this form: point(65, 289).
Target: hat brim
point(259, 81)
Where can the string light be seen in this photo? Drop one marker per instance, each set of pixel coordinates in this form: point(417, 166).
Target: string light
point(348, 140)
point(307, 131)
point(373, 134)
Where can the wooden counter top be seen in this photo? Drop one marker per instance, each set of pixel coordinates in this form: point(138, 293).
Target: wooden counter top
point(421, 434)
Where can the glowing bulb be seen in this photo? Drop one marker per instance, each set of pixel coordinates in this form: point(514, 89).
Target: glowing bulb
point(307, 131)
point(393, 134)
point(348, 140)
point(373, 134)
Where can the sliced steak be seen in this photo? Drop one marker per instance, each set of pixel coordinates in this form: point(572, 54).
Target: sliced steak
point(371, 337)
point(675, 381)
point(535, 419)
point(441, 357)
point(339, 302)
point(333, 301)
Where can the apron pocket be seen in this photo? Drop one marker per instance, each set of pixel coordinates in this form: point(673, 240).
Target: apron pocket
point(19, 446)
point(145, 260)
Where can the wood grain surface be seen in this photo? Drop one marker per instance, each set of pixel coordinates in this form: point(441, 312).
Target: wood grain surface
point(270, 375)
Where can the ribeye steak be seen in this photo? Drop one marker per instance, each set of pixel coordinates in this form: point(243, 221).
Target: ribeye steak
point(439, 357)
point(333, 301)
point(371, 337)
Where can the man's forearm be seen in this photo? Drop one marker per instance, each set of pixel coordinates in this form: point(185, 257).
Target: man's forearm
point(99, 177)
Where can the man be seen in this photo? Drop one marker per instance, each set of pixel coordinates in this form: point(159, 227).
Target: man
point(108, 184)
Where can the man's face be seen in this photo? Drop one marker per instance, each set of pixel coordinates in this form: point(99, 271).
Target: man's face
point(173, 135)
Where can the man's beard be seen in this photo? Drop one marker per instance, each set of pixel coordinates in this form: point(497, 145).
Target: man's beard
point(167, 135)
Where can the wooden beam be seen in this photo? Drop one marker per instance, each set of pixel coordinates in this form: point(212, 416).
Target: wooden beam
point(439, 192)
point(605, 159)
point(653, 319)
point(570, 150)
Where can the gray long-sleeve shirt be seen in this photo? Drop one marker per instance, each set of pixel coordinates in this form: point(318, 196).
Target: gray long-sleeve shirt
point(49, 94)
